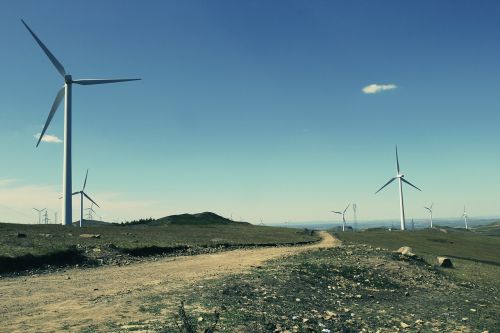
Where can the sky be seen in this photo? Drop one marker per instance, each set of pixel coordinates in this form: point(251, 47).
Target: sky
point(273, 110)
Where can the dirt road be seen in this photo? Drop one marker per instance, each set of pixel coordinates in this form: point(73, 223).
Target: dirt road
point(78, 298)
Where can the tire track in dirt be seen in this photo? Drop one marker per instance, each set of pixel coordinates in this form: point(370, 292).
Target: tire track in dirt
point(77, 298)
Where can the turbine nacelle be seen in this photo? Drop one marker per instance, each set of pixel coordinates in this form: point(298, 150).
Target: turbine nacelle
point(68, 79)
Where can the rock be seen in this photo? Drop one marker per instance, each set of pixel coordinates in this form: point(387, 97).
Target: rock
point(90, 236)
point(406, 250)
point(445, 262)
point(404, 325)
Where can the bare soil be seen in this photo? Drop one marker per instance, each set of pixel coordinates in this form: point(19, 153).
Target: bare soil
point(108, 297)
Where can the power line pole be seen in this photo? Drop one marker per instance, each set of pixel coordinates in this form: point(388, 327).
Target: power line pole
point(39, 214)
point(46, 217)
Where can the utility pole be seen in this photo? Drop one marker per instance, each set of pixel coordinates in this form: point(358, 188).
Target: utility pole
point(39, 214)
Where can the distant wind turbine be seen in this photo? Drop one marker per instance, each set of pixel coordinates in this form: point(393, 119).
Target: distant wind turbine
point(400, 178)
point(464, 215)
point(429, 209)
point(66, 93)
point(82, 194)
point(343, 216)
point(39, 214)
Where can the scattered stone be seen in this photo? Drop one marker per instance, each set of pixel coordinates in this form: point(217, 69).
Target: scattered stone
point(90, 236)
point(407, 293)
point(68, 278)
point(404, 325)
point(406, 251)
point(445, 262)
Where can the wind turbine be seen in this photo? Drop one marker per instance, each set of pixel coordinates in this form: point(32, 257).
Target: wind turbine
point(343, 216)
point(66, 93)
point(429, 209)
point(400, 178)
point(39, 214)
point(82, 194)
point(464, 215)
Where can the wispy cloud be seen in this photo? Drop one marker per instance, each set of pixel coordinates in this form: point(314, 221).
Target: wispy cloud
point(48, 138)
point(377, 88)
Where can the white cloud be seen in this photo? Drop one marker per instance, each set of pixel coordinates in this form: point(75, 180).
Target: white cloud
point(376, 88)
point(48, 138)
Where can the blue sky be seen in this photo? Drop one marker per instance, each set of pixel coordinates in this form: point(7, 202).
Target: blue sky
point(255, 108)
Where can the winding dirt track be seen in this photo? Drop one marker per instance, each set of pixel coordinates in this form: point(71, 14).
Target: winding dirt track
point(54, 303)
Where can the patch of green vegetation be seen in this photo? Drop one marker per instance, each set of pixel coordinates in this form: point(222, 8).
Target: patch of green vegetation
point(492, 229)
point(476, 256)
point(39, 244)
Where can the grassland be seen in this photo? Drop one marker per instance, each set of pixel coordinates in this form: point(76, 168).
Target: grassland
point(476, 255)
point(42, 245)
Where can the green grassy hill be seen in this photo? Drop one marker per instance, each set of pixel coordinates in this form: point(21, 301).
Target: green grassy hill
point(492, 229)
point(476, 255)
point(45, 244)
point(206, 218)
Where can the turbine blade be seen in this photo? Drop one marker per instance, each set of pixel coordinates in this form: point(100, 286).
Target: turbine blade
point(397, 159)
point(336, 212)
point(85, 182)
point(74, 193)
point(85, 194)
point(390, 181)
point(407, 182)
point(346, 208)
point(87, 82)
point(53, 59)
point(55, 105)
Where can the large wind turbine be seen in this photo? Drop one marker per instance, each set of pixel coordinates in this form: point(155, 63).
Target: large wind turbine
point(464, 215)
point(343, 216)
point(82, 194)
point(400, 178)
point(65, 92)
point(429, 209)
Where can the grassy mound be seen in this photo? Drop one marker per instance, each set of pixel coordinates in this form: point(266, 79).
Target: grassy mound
point(473, 254)
point(39, 243)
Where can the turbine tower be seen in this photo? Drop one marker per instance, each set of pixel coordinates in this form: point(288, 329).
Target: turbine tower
point(82, 194)
point(400, 178)
point(343, 216)
point(65, 92)
point(464, 215)
point(429, 209)
point(39, 214)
